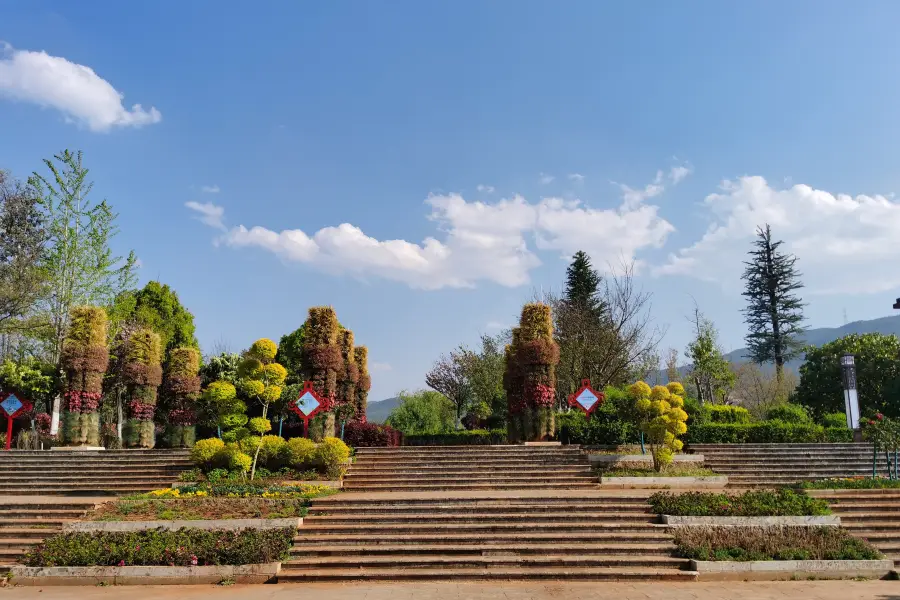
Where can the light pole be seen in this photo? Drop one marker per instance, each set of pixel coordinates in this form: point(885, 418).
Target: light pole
point(851, 400)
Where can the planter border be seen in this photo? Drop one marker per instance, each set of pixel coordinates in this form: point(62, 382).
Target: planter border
point(52, 576)
point(710, 521)
point(703, 482)
point(332, 483)
point(208, 524)
point(773, 570)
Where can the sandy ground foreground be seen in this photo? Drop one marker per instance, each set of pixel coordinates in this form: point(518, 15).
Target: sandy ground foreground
point(795, 590)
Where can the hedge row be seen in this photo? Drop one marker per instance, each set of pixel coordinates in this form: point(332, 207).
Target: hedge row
point(764, 432)
point(474, 437)
point(369, 435)
point(753, 503)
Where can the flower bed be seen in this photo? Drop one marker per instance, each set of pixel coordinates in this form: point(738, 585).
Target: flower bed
point(245, 489)
point(198, 508)
point(761, 503)
point(770, 543)
point(852, 483)
point(184, 547)
point(675, 470)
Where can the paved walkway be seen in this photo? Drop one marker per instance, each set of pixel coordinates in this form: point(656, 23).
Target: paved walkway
point(806, 590)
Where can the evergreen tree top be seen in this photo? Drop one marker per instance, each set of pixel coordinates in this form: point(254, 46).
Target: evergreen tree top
point(582, 282)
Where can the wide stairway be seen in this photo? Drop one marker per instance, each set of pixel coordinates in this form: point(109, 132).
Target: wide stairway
point(767, 465)
point(75, 472)
point(440, 514)
point(870, 514)
point(26, 522)
point(455, 468)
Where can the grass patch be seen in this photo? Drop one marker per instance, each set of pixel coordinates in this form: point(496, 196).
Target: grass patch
point(184, 547)
point(754, 503)
point(851, 483)
point(192, 509)
point(673, 470)
point(771, 543)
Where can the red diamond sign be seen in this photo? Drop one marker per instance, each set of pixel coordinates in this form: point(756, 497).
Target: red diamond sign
point(586, 398)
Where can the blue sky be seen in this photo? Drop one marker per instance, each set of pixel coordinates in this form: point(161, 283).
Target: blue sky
point(504, 131)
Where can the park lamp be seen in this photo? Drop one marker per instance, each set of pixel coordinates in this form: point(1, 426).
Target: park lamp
point(851, 399)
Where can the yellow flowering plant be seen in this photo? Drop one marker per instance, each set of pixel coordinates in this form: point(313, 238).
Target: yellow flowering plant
point(661, 418)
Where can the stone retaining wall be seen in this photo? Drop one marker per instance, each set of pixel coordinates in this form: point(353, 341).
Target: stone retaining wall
point(773, 570)
point(48, 576)
point(217, 524)
point(808, 521)
point(709, 482)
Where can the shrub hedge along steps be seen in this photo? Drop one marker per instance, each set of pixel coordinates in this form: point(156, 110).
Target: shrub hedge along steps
point(754, 503)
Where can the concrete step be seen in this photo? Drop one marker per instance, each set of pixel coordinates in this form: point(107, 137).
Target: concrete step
point(491, 573)
point(475, 562)
point(649, 536)
point(479, 549)
point(29, 533)
point(398, 478)
point(537, 462)
point(482, 472)
point(388, 511)
point(18, 522)
point(82, 490)
point(14, 543)
point(463, 500)
point(506, 518)
point(414, 487)
point(879, 516)
point(524, 527)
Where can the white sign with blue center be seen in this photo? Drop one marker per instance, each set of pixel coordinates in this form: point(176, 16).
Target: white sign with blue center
point(586, 399)
point(307, 403)
point(11, 404)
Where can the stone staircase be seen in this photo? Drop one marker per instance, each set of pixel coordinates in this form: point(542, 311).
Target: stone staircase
point(768, 465)
point(25, 522)
point(546, 534)
point(869, 514)
point(455, 468)
point(76, 472)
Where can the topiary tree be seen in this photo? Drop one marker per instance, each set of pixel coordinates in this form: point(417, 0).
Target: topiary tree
point(322, 361)
point(347, 405)
point(182, 389)
point(142, 375)
point(84, 359)
point(261, 379)
point(363, 383)
point(531, 375)
point(224, 410)
point(661, 418)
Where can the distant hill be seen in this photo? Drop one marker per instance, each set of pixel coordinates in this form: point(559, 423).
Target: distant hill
point(817, 337)
point(377, 412)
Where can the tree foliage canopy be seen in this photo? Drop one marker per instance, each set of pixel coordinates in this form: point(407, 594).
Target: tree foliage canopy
point(423, 413)
point(877, 374)
point(157, 307)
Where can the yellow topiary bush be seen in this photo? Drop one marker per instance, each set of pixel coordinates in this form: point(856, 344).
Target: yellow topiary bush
point(661, 419)
point(299, 453)
point(675, 388)
point(204, 451)
point(271, 450)
point(332, 455)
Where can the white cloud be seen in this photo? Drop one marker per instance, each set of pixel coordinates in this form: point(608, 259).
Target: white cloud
point(210, 189)
point(478, 241)
point(379, 367)
point(545, 179)
point(208, 213)
point(576, 177)
point(487, 189)
point(842, 243)
point(75, 90)
point(676, 174)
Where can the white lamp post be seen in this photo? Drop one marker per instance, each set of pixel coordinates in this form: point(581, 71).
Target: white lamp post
point(851, 400)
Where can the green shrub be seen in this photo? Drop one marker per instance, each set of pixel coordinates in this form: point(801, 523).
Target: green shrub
point(332, 455)
point(204, 451)
point(298, 453)
point(789, 413)
point(835, 421)
point(765, 432)
point(852, 483)
point(260, 426)
point(771, 543)
point(249, 444)
point(233, 458)
point(610, 425)
point(473, 437)
point(271, 450)
point(724, 413)
point(754, 503)
point(184, 547)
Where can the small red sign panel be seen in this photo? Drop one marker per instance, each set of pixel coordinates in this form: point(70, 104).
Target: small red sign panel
point(12, 406)
point(586, 398)
point(307, 404)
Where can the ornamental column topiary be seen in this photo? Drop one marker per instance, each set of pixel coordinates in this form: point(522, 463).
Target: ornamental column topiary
point(347, 406)
point(532, 364)
point(84, 359)
point(363, 383)
point(142, 375)
point(322, 360)
point(182, 386)
point(661, 418)
point(513, 385)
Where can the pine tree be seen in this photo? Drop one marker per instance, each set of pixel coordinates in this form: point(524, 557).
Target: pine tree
point(774, 313)
point(583, 284)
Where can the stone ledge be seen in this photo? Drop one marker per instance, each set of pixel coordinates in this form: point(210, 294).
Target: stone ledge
point(331, 483)
point(40, 576)
point(806, 521)
point(610, 461)
point(774, 570)
point(211, 524)
point(713, 481)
